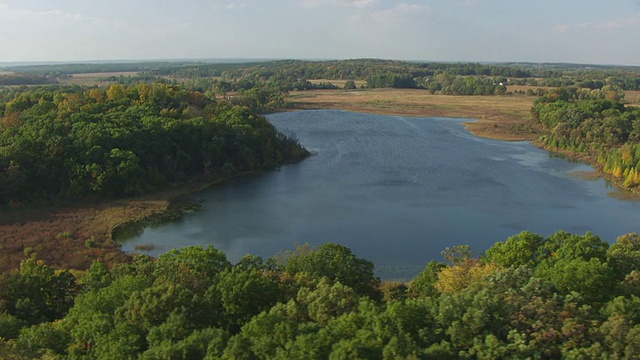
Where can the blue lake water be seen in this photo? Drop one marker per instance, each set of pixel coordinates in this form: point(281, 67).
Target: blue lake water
point(396, 191)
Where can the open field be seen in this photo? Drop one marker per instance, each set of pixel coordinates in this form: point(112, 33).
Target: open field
point(499, 117)
point(94, 78)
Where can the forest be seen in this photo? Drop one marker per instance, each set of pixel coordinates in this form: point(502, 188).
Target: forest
point(290, 75)
point(78, 143)
point(595, 123)
point(565, 296)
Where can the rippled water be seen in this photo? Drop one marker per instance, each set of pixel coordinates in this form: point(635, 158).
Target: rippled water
point(397, 191)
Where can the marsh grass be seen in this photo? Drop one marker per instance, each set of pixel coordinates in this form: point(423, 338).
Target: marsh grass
point(58, 233)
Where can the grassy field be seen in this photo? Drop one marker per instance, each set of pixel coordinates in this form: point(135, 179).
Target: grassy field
point(498, 117)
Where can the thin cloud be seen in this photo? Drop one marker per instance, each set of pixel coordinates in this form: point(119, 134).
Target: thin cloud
point(399, 12)
point(359, 4)
point(606, 26)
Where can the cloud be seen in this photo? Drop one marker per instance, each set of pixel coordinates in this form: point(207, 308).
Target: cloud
point(359, 4)
point(399, 12)
point(606, 26)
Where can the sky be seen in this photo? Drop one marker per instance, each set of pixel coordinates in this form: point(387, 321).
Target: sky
point(573, 31)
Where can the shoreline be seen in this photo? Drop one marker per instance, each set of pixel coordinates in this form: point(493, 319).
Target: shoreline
point(175, 208)
point(73, 235)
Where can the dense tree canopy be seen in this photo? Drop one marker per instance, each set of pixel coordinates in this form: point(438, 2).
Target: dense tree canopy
point(127, 140)
point(564, 296)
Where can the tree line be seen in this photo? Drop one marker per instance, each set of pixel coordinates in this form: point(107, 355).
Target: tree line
point(564, 296)
point(293, 74)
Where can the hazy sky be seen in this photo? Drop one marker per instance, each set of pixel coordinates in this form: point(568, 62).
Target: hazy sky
point(581, 31)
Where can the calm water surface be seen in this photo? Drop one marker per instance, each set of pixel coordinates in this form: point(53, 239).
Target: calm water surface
point(396, 191)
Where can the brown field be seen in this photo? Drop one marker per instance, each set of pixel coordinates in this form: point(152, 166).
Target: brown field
point(94, 78)
point(499, 117)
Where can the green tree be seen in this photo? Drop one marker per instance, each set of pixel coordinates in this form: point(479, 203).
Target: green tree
point(338, 263)
point(36, 293)
point(192, 266)
point(243, 294)
point(424, 284)
point(624, 255)
point(42, 338)
point(10, 326)
point(519, 250)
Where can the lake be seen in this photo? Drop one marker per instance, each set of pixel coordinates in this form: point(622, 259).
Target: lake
point(396, 191)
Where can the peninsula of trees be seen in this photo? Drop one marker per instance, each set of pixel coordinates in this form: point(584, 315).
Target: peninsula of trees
point(127, 140)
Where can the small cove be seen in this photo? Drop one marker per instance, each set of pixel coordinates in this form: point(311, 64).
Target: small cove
point(396, 191)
